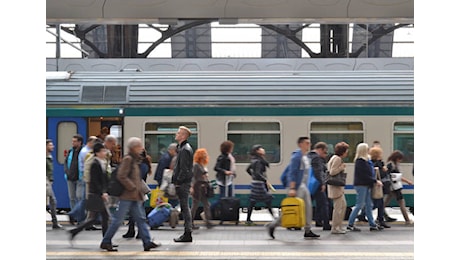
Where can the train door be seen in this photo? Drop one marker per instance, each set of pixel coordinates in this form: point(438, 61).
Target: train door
point(61, 130)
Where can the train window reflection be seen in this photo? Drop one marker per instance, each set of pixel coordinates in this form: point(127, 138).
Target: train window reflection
point(245, 134)
point(334, 132)
point(158, 136)
point(403, 140)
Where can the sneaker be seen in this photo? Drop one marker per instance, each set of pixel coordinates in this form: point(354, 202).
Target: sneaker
point(249, 223)
point(409, 223)
point(310, 234)
point(375, 228)
point(353, 228)
point(271, 230)
point(383, 224)
point(338, 231)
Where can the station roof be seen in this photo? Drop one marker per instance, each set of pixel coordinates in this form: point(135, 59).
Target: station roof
point(230, 11)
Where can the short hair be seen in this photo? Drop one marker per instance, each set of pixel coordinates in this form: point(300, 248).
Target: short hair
point(79, 137)
point(98, 147)
point(91, 139)
point(189, 132)
point(133, 142)
point(172, 146)
point(320, 145)
point(226, 146)
point(302, 138)
point(48, 141)
point(362, 151)
point(110, 138)
point(201, 156)
point(341, 148)
point(395, 155)
point(375, 153)
point(255, 148)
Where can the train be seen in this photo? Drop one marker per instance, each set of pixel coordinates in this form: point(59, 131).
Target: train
point(271, 108)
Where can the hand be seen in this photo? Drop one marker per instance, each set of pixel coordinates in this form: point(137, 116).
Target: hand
point(292, 193)
point(228, 172)
point(379, 183)
point(105, 197)
point(323, 188)
point(191, 190)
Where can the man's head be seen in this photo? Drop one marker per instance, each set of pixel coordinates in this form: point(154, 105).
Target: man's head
point(321, 149)
point(90, 142)
point(304, 143)
point(49, 145)
point(182, 134)
point(77, 141)
point(110, 142)
point(172, 149)
point(135, 145)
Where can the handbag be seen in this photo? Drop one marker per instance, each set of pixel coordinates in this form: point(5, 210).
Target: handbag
point(337, 180)
point(396, 183)
point(377, 191)
point(313, 183)
point(209, 190)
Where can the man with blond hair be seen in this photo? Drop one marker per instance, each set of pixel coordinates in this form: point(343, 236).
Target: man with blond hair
point(182, 179)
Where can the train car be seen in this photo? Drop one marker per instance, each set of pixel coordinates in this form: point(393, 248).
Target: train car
point(271, 108)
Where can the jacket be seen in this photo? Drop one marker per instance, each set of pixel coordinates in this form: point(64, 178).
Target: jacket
point(99, 180)
point(363, 173)
point(295, 174)
point(335, 166)
point(319, 167)
point(258, 168)
point(49, 168)
point(130, 177)
point(163, 163)
point(72, 172)
point(184, 163)
point(222, 165)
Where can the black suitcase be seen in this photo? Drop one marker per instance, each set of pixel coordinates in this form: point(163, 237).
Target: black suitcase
point(229, 206)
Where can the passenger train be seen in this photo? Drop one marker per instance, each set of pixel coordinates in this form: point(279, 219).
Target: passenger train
point(271, 108)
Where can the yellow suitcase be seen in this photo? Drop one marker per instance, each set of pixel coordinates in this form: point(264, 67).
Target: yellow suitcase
point(292, 213)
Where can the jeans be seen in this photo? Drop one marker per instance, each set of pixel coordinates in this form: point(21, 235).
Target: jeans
point(183, 192)
point(78, 211)
point(322, 207)
point(136, 210)
point(52, 202)
point(363, 200)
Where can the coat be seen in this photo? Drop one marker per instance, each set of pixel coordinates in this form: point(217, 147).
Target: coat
point(129, 176)
point(335, 167)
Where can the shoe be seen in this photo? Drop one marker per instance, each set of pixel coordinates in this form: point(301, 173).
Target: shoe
point(375, 228)
point(151, 245)
point(186, 237)
point(72, 221)
point(271, 230)
point(338, 231)
point(114, 245)
point(361, 218)
point(409, 223)
point(72, 235)
point(383, 224)
point(57, 226)
point(138, 236)
point(310, 234)
point(353, 228)
point(389, 219)
point(318, 224)
point(327, 227)
point(249, 223)
point(209, 225)
point(203, 216)
point(194, 227)
point(93, 228)
point(129, 234)
point(108, 247)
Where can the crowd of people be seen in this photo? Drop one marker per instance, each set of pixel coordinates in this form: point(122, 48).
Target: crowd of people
point(182, 173)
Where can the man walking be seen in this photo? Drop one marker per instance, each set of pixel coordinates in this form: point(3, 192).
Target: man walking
point(49, 183)
point(297, 179)
point(182, 179)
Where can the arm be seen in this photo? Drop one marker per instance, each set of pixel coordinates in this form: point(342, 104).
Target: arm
point(123, 173)
point(317, 168)
point(336, 166)
point(292, 173)
point(96, 181)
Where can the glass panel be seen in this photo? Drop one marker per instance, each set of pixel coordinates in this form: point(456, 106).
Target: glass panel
point(404, 126)
point(259, 126)
point(168, 127)
point(336, 126)
point(352, 139)
point(65, 132)
point(405, 143)
point(244, 142)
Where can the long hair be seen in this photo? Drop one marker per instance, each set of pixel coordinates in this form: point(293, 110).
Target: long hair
point(361, 151)
point(201, 156)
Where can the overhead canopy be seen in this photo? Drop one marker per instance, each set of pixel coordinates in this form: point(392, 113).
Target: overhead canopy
point(229, 11)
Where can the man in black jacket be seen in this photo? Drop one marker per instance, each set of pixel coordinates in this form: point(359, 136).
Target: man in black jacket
point(182, 178)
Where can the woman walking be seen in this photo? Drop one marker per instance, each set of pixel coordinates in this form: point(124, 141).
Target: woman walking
point(200, 183)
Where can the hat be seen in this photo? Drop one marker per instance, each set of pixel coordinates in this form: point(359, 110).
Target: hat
point(98, 147)
point(255, 148)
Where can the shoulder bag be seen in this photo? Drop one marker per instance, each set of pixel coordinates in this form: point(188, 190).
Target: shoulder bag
point(377, 191)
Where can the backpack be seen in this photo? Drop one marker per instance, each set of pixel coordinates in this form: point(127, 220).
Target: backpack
point(115, 187)
point(283, 178)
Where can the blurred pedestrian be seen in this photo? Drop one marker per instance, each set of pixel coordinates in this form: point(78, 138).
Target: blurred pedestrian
point(132, 199)
point(200, 184)
point(71, 170)
point(225, 168)
point(51, 198)
point(336, 167)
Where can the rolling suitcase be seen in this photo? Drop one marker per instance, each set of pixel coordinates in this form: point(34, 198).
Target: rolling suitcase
point(229, 206)
point(292, 213)
point(158, 215)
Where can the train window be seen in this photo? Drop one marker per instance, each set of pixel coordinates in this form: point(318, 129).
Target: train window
point(245, 134)
point(66, 130)
point(159, 135)
point(333, 132)
point(403, 140)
